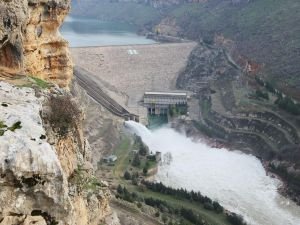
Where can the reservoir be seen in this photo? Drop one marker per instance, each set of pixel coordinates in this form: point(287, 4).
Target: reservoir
point(93, 32)
point(236, 180)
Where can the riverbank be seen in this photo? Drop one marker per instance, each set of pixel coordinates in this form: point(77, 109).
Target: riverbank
point(126, 178)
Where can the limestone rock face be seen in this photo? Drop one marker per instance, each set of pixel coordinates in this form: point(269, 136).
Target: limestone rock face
point(31, 174)
point(44, 178)
point(30, 42)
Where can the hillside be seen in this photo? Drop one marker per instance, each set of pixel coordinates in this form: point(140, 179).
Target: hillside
point(138, 14)
point(264, 34)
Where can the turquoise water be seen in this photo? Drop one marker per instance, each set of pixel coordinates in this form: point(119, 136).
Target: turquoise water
point(92, 32)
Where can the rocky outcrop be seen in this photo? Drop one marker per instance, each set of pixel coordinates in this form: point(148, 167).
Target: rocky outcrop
point(30, 42)
point(45, 178)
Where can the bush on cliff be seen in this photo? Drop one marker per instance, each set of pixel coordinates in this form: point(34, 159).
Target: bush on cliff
point(64, 114)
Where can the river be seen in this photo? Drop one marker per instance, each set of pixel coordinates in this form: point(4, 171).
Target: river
point(236, 180)
point(91, 32)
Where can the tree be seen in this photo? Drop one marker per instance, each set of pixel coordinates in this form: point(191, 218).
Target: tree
point(136, 161)
point(217, 207)
point(120, 189)
point(145, 170)
point(144, 150)
point(127, 175)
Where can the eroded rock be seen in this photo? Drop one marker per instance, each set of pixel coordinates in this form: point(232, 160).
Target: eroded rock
point(30, 42)
point(37, 179)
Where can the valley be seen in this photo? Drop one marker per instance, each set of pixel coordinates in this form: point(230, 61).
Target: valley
point(149, 112)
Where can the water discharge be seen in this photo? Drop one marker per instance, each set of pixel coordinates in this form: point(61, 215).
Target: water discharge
point(236, 180)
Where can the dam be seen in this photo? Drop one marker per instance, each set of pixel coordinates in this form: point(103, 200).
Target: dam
point(125, 73)
point(159, 102)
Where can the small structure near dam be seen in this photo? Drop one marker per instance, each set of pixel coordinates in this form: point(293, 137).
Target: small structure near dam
point(158, 103)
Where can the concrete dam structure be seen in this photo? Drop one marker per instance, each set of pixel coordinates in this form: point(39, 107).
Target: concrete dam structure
point(159, 102)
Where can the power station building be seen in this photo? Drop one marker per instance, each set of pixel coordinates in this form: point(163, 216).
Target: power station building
point(159, 102)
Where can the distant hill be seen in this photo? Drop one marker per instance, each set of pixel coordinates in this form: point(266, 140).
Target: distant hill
point(128, 11)
point(265, 33)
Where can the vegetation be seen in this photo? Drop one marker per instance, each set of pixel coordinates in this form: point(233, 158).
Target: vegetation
point(287, 104)
point(184, 194)
point(64, 114)
point(169, 210)
point(34, 81)
point(136, 160)
point(16, 125)
point(261, 95)
point(142, 148)
point(84, 181)
point(242, 24)
point(3, 127)
point(40, 83)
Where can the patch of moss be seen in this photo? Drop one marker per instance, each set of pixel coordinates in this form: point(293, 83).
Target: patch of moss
point(40, 83)
point(2, 128)
point(16, 125)
point(2, 125)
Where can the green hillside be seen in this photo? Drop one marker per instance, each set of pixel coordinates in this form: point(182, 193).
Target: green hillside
point(138, 14)
point(265, 31)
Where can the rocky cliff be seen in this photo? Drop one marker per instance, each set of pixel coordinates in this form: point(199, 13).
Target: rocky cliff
point(30, 42)
point(46, 176)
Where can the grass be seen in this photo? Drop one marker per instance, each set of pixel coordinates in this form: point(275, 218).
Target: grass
point(40, 83)
point(209, 216)
point(122, 151)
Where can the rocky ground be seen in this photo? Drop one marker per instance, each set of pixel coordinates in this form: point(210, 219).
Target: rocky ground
point(46, 178)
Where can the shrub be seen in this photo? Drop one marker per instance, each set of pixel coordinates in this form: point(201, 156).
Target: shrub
point(288, 105)
point(136, 161)
point(261, 94)
point(235, 219)
point(208, 206)
point(145, 170)
point(64, 114)
point(127, 175)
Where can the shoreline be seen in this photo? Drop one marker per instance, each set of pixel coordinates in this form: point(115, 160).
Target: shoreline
point(132, 45)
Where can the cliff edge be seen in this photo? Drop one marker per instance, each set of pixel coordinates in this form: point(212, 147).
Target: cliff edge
point(30, 43)
point(46, 177)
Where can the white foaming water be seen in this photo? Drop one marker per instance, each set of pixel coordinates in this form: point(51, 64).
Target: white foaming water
point(236, 180)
